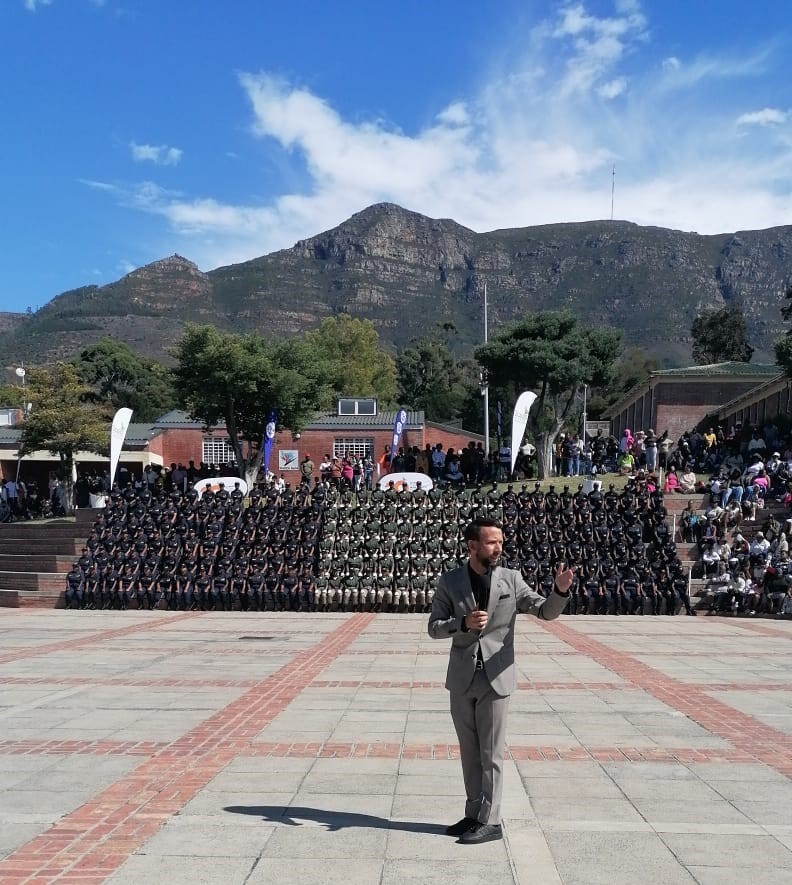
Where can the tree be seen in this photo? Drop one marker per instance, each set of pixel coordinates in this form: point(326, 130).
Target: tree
point(236, 379)
point(11, 396)
point(431, 379)
point(634, 366)
point(783, 347)
point(60, 421)
point(549, 353)
point(356, 365)
point(120, 377)
point(721, 336)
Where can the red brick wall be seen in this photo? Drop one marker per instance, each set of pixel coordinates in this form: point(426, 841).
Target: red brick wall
point(181, 446)
point(677, 418)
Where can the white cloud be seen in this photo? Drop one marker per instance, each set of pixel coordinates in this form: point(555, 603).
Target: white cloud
point(160, 155)
point(33, 5)
point(765, 117)
point(598, 45)
point(612, 88)
point(525, 149)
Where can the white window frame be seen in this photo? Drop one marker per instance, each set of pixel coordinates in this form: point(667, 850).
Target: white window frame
point(356, 445)
point(213, 447)
point(352, 406)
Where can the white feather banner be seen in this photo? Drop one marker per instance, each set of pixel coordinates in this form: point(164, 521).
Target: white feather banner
point(520, 421)
point(118, 434)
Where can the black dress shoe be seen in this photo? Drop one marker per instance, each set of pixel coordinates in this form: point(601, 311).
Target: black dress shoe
point(462, 826)
point(482, 833)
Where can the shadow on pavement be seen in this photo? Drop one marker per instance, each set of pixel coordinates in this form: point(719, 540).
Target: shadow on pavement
point(332, 820)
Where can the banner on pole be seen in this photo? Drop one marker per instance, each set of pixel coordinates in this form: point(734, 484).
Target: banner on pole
point(118, 432)
point(520, 421)
point(398, 432)
point(269, 437)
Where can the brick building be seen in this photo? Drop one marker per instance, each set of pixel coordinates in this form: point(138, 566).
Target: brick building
point(759, 405)
point(356, 426)
point(680, 399)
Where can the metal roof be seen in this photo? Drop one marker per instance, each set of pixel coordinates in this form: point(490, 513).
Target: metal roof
point(717, 369)
point(179, 419)
point(382, 421)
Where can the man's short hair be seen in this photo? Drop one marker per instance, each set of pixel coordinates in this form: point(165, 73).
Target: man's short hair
point(473, 530)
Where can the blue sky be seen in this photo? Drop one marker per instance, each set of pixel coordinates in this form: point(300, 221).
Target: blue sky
point(226, 129)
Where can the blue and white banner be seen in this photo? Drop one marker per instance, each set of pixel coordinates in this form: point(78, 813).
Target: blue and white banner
point(269, 437)
point(398, 432)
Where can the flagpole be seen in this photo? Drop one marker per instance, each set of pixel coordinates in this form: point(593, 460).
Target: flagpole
point(486, 386)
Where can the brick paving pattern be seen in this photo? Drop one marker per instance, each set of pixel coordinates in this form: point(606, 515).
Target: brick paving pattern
point(621, 746)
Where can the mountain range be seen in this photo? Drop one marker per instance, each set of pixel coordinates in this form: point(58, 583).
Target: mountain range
point(410, 275)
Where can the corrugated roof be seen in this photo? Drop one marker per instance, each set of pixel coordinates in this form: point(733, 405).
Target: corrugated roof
point(9, 436)
point(177, 418)
point(140, 434)
point(137, 435)
point(731, 368)
point(383, 421)
point(755, 393)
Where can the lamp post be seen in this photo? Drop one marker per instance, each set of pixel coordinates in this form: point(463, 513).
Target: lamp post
point(20, 373)
point(585, 395)
point(485, 385)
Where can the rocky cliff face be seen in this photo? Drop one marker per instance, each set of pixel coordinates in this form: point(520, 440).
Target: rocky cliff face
point(406, 273)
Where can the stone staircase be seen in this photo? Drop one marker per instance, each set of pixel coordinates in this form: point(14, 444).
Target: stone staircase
point(689, 553)
point(35, 557)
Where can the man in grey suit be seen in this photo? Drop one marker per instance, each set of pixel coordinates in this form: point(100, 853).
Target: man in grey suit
point(476, 607)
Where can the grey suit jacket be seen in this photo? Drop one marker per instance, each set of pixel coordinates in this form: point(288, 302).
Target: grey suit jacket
point(509, 594)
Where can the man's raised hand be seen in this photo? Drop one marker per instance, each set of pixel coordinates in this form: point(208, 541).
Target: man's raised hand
point(563, 578)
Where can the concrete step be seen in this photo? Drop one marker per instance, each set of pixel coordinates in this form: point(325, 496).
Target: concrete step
point(43, 527)
point(41, 599)
point(9, 599)
point(58, 562)
point(35, 581)
point(41, 546)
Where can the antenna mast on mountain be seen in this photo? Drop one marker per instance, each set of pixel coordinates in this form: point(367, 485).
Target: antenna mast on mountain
point(613, 188)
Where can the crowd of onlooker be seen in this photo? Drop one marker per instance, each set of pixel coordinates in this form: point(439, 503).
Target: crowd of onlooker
point(747, 572)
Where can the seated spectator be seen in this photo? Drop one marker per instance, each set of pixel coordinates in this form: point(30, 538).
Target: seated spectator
point(785, 611)
point(757, 443)
point(710, 557)
point(453, 474)
point(689, 524)
point(625, 463)
point(688, 480)
point(672, 481)
point(732, 516)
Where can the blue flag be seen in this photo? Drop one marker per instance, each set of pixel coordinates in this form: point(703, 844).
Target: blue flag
point(269, 436)
point(398, 431)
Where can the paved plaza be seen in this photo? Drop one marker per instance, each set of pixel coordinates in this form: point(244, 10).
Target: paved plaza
point(154, 747)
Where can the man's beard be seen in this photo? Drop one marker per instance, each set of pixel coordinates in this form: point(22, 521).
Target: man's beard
point(487, 562)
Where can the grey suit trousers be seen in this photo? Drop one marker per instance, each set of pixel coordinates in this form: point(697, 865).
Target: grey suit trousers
point(479, 716)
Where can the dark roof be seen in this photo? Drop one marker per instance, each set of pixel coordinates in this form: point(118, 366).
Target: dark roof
point(141, 434)
point(453, 428)
point(761, 372)
point(383, 421)
point(9, 436)
point(750, 370)
point(177, 419)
